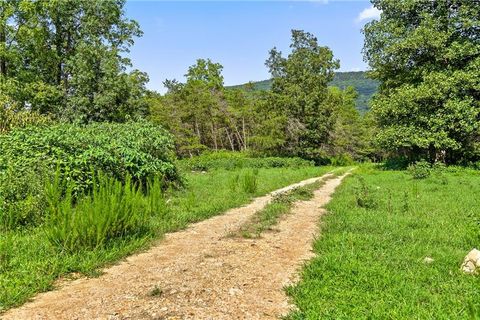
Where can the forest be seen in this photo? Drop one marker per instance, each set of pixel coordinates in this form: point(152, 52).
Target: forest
point(94, 166)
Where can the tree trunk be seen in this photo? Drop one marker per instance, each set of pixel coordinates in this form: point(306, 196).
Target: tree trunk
point(230, 139)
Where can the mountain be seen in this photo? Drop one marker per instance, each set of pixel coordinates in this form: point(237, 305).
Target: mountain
point(365, 87)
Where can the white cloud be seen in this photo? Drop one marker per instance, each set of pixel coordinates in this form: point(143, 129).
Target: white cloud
point(368, 13)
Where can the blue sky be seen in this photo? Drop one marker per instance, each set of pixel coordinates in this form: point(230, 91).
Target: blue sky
point(239, 34)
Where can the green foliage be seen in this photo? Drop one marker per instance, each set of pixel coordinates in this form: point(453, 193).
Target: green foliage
point(68, 58)
point(371, 263)
point(420, 170)
point(10, 119)
point(299, 90)
point(249, 181)
point(365, 195)
point(22, 197)
point(202, 114)
point(426, 59)
point(301, 116)
point(234, 160)
point(139, 149)
point(112, 210)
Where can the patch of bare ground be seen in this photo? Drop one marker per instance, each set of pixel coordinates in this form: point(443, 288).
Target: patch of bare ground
point(198, 273)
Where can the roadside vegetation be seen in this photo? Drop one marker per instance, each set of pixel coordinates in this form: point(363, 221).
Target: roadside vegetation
point(117, 219)
point(391, 246)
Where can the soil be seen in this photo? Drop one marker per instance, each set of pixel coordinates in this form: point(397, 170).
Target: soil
point(197, 273)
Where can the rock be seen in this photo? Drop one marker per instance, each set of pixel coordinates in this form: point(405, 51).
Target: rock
point(428, 260)
point(471, 264)
point(234, 291)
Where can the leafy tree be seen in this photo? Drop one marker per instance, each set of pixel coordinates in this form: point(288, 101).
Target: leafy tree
point(201, 113)
point(68, 56)
point(426, 55)
point(299, 90)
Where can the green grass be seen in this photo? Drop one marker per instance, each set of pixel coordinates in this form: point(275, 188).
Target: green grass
point(281, 204)
point(370, 256)
point(29, 263)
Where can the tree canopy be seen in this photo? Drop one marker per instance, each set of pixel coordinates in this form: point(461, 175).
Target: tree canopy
point(426, 55)
point(67, 58)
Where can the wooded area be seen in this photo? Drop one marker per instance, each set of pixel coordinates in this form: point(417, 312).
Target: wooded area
point(65, 61)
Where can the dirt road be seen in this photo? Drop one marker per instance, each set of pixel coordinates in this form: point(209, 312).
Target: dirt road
point(198, 273)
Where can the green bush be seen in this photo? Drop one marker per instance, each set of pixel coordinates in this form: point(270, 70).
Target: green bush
point(10, 118)
point(365, 195)
point(342, 160)
point(420, 170)
point(22, 197)
point(138, 149)
point(112, 210)
point(233, 160)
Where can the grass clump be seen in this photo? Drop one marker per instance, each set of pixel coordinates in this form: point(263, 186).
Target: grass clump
point(112, 210)
point(370, 262)
point(156, 292)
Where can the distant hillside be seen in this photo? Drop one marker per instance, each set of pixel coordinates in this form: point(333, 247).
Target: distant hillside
point(364, 86)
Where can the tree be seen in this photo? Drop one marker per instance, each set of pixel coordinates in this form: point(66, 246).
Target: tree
point(299, 90)
point(69, 57)
point(426, 55)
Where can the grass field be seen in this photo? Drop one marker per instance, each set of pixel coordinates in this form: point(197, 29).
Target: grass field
point(380, 227)
point(29, 264)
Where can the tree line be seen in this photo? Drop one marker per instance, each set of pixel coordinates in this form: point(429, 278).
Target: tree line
point(300, 116)
point(67, 60)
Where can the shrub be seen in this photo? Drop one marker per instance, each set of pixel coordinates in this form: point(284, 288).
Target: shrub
point(22, 197)
point(234, 160)
point(364, 195)
point(420, 170)
point(342, 160)
point(10, 119)
point(113, 209)
point(138, 149)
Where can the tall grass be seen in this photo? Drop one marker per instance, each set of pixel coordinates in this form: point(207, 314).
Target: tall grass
point(250, 181)
point(111, 210)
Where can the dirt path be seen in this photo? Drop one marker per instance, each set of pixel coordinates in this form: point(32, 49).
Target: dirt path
point(200, 273)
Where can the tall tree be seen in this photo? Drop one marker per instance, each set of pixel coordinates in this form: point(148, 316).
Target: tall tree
point(69, 56)
point(299, 89)
point(426, 54)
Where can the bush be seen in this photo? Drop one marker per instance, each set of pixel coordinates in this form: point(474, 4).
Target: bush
point(420, 170)
point(22, 197)
point(138, 149)
point(364, 195)
point(234, 160)
point(112, 210)
point(342, 160)
point(10, 119)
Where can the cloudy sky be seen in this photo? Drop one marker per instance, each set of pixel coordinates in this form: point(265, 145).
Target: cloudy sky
point(239, 34)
